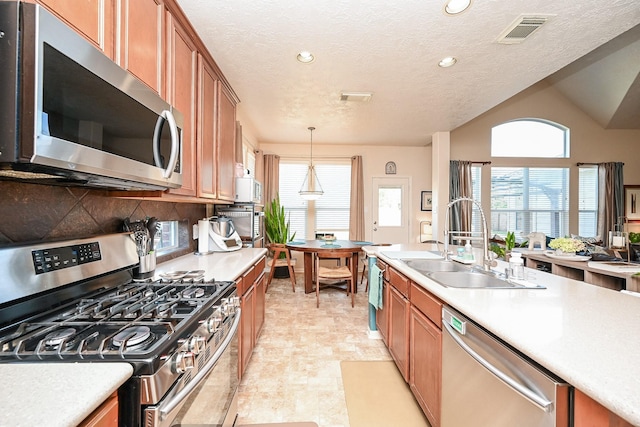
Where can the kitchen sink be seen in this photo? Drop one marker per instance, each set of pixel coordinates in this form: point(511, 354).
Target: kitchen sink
point(473, 279)
point(426, 266)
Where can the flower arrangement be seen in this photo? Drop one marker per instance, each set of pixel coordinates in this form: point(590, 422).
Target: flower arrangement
point(567, 244)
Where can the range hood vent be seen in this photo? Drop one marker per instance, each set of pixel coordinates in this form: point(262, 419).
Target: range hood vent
point(522, 28)
point(356, 96)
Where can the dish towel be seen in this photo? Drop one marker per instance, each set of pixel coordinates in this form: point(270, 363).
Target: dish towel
point(375, 287)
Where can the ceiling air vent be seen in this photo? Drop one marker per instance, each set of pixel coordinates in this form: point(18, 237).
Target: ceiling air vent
point(356, 96)
point(521, 28)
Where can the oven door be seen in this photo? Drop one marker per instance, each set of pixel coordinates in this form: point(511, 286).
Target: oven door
point(210, 397)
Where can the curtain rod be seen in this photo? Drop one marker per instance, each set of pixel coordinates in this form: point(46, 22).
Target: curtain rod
point(590, 164)
point(480, 163)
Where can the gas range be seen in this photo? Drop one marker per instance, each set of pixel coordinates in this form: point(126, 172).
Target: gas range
point(76, 301)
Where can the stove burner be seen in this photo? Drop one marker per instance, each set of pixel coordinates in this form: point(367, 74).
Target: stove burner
point(133, 336)
point(58, 336)
point(193, 293)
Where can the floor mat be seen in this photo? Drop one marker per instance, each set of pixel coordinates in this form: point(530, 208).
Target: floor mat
point(377, 396)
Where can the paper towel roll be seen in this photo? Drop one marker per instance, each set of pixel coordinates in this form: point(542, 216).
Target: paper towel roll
point(203, 236)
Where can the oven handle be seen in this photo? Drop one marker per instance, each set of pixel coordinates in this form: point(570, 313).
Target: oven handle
point(184, 393)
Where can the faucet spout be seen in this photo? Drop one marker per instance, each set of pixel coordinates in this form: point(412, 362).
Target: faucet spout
point(487, 260)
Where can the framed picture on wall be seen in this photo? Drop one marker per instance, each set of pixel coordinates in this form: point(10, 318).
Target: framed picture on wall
point(632, 202)
point(426, 201)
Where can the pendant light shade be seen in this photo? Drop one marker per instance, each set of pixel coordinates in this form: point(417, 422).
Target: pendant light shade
point(311, 188)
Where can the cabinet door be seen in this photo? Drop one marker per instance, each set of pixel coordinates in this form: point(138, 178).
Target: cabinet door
point(260, 305)
point(399, 331)
point(141, 40)
point(207, 129)
point(382, 315)
point(181, 83)
point(247, 322)
point(94, 19)
point(589, 413)
point(425, 364)
point(105, 416)
point(226, 145)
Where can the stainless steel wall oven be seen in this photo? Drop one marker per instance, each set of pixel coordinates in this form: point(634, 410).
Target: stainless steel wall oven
point(75, 301)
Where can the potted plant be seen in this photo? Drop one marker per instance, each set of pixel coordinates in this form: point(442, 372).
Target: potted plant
point(509, 244)
point(278, 230)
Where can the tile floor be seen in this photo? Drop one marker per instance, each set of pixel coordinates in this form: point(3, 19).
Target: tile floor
point(294, 373)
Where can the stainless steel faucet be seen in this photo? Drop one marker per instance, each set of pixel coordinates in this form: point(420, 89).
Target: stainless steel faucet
point(487, 261)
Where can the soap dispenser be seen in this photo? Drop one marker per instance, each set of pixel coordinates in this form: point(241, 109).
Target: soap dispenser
point(468, 252)
point(516, 265)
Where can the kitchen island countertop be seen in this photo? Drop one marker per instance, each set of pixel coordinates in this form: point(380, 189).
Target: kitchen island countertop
point(57, 394)
point(587, 335)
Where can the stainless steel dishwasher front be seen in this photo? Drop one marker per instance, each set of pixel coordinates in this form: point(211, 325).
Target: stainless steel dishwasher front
point(486, 383)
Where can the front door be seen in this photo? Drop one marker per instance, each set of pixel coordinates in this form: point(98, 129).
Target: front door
point(390, 216)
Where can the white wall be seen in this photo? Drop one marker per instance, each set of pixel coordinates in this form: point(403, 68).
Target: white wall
point(414, 162)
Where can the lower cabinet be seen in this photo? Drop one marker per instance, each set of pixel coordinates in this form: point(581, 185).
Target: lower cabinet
point(105, 416)
point(425, 352)
point(587, 413)
point(398, 340)
point(251, 288)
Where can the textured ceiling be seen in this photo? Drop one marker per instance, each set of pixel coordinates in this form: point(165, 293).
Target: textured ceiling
point(390, 48)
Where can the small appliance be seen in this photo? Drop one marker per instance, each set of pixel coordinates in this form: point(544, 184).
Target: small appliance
point(216, 234)
point(248, 190)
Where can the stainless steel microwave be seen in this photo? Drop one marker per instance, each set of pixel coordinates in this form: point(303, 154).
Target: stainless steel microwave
point(70, 115)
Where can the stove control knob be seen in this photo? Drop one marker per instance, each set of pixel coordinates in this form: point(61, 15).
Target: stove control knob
point(214, 322)
point(235, 301)
point(183, 361)
point(196, 344)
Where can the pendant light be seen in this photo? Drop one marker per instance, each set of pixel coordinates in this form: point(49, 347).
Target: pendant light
point(311, 188)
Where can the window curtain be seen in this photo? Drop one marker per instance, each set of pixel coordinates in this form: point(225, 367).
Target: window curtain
point(271, 177)
point(356, 208)
point(460, 185)
point(610, 197)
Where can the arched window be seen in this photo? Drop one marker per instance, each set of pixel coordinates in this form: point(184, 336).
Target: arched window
point(530, 138)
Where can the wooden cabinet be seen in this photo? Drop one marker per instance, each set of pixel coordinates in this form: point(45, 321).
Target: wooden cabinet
point(589, 413)
point(425, 352)
point(226, 145)
point(382, 314)
point(140, 50)
point(251, 288)
point(182, 62)
point(94, 19)
point(105, 416)
point(398, 340)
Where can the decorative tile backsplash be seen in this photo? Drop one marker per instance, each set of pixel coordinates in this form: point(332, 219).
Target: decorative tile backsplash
point(32, 212)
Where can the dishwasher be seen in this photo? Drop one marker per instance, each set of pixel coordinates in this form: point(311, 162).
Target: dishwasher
point(487, 383)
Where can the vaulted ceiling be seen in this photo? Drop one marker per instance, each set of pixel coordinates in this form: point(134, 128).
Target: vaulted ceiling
point(392, 50)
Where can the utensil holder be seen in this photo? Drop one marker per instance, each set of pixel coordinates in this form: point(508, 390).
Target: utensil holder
point(146, 267)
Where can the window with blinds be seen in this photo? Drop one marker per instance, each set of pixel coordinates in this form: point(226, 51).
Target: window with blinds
point(588, 201)
point(328, 214)
point(530, 199)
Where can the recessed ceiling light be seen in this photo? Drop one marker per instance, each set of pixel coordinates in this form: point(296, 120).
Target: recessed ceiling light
point(447, 62)
point(454, 7)
point(305, 57)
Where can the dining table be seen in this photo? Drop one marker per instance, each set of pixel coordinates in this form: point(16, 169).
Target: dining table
point(345, 248)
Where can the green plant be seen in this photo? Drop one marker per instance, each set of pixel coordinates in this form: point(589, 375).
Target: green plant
point(510, 241)
point(276, 224)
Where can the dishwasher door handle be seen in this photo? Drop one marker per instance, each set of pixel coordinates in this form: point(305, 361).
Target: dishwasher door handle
point(543, 403)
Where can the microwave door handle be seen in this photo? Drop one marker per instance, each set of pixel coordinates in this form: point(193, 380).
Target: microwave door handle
point(175, 142)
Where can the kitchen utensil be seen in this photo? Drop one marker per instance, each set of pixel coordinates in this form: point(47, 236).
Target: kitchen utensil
point(152, 227)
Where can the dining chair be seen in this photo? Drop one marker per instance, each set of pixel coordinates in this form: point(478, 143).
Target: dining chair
point(332, 274)
point(280, 248)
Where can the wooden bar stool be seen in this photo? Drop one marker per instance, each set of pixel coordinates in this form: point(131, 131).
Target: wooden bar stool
point(279, 248)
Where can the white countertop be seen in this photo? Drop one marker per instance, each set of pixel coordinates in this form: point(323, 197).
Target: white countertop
point(64, 394)
point(56, 394)
point(217, 265)
point(587, 335)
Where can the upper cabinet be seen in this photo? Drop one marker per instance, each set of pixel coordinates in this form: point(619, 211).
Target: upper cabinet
point(226, 145)
point(94, 19)
point(182, 71)
point(140, 50)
